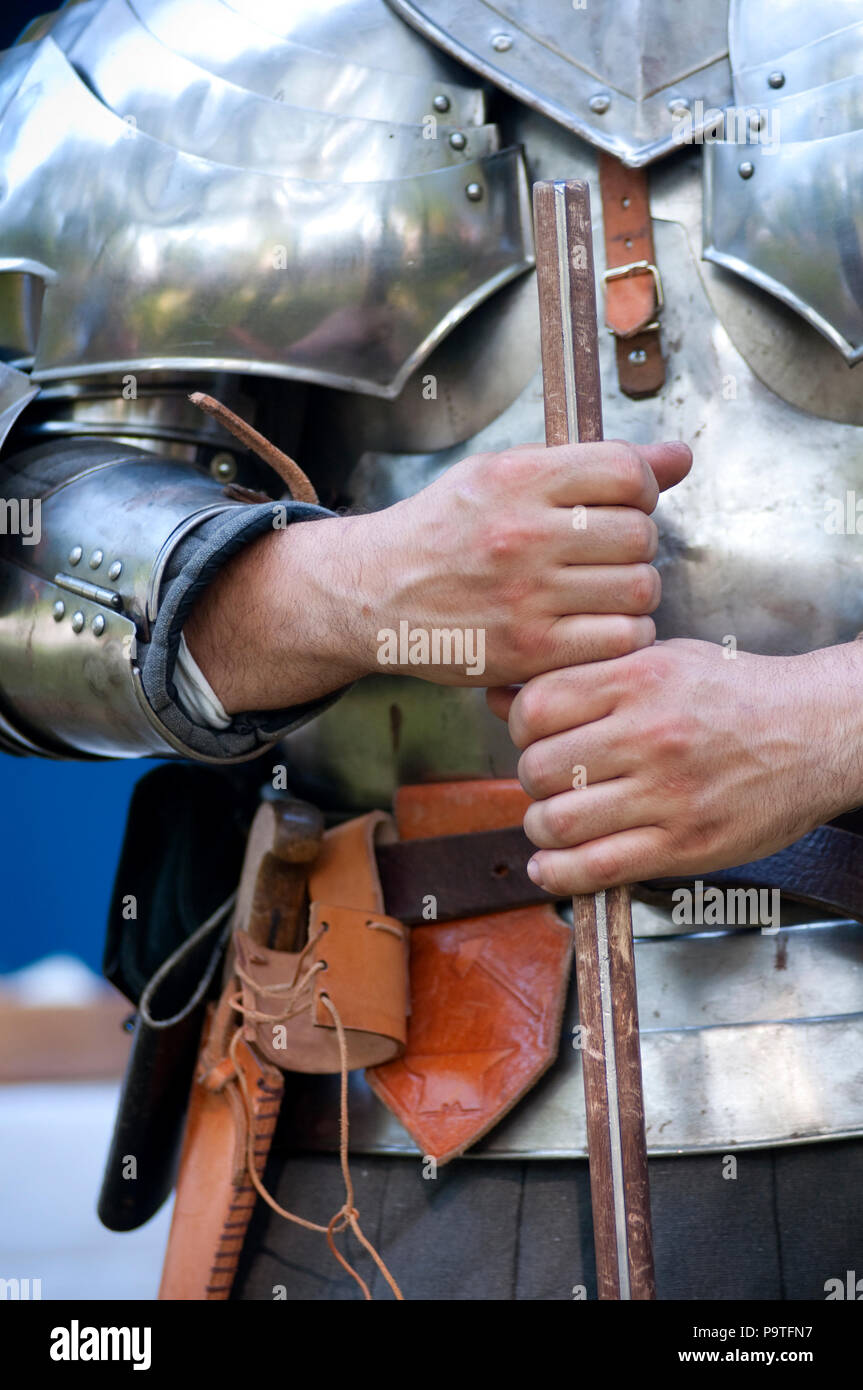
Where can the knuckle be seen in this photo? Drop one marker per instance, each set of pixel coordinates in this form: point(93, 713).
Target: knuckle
point(645, 588)
point(533, 825)
point(506, 540)
point(673, 738)
point(510, 467)
point(528, 714)
point(555, 822)
point(531, 772)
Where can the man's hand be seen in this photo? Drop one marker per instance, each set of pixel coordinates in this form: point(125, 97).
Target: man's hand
point(677, 759)
point(545, 552)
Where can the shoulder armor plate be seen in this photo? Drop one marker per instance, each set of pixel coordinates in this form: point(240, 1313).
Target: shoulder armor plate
point(155, 258)
point(783, 200)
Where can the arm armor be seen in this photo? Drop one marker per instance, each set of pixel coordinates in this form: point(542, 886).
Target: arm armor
point(103, 550)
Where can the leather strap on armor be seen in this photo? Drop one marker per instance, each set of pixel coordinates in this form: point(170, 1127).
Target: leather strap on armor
point(633, 288)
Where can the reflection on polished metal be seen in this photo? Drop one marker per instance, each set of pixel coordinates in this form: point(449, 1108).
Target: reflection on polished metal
point(224, 42)
point(211, 268)
point(159, 412)
point(785, 352)
point(174, 100)
point(652, 57)
point(772, 228)
point(760, 30)
point(16, 392)
point(747, 1039)
point(820, 113)
point(367, 31)
point(790, 46)
point(464, 385)
point(787, 217)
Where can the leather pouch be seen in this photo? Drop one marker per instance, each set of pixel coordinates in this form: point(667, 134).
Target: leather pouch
point(356, 957)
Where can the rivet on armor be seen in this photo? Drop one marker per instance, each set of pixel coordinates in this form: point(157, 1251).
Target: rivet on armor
point(223, 467)
point(78, 621)
point(755, 121)
point(96, 559)
point(441, 103)
point(75, 554)
point(502, 43)
point(116, 569)
point(776, 79)
point(746, 169)
point(638, 357)
point(677, 106)
point(600, 103)
point(474, 192)
point(98, 625)
point(59, 610)
point(457, 140)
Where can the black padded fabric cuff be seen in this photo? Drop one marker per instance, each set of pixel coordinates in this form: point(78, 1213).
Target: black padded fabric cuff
point(195, 563)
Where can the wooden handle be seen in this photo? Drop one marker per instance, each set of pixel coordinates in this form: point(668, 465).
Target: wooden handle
point(604, 960)
point(285, 837)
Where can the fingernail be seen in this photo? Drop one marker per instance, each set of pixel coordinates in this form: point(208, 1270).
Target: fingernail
point(533, 872)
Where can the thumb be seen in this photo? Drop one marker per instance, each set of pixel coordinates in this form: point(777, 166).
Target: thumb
point(500, 698)
point(670, 461)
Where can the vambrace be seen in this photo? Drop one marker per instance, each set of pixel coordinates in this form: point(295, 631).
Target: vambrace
point(104, 550)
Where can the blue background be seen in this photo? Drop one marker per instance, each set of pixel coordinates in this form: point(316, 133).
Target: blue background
point(61, 827)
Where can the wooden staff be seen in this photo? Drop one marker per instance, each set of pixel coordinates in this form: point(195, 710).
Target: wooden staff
point(604, 961)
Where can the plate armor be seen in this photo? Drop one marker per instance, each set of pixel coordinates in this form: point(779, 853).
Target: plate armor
point(320, 214)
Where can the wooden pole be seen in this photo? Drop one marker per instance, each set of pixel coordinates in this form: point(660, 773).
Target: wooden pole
point(604, 960)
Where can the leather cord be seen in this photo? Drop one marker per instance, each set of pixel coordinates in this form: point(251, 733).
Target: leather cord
point(291, 473)
point(293, 998)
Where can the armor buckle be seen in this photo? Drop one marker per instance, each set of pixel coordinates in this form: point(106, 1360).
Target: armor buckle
point(622, 272)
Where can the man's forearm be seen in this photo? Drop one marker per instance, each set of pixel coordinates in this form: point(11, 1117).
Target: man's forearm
point(274, 628)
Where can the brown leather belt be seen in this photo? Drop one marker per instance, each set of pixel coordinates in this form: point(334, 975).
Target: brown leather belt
point(484, 871)
point(632, 284)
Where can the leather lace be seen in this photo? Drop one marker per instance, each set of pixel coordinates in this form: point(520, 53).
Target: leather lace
point(290, 472)
point(297, 996)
